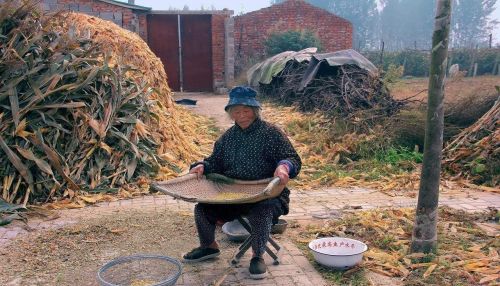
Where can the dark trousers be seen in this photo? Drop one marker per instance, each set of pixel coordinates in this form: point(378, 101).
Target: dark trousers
point(260, 215)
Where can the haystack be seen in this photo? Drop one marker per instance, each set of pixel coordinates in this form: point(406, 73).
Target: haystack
point(76, 115)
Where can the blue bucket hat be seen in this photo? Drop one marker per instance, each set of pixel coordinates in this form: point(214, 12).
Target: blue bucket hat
point(242, 95)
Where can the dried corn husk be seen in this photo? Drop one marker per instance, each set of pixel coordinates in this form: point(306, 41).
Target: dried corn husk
point(475, 152)
point(74, 118)
point(324, 156)
point(176, 128)
point(388, 235)
point(124, 47)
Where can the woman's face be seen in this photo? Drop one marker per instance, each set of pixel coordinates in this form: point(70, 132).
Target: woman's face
point(243, 116)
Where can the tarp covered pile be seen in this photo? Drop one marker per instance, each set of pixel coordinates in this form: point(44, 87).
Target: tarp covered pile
point(75, 117)
point(342, 82)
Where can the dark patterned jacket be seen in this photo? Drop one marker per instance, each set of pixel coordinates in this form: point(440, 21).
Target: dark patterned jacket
point(253, 154)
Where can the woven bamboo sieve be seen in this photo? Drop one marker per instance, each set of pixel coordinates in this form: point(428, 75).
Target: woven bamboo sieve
point(190, 188)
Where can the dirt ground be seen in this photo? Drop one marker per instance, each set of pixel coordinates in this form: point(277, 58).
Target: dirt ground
point(455, 89)
point(72, 255)
point(208, 104)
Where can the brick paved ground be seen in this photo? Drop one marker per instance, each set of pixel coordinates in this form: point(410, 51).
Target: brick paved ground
point(305, 206)
point(326, 203)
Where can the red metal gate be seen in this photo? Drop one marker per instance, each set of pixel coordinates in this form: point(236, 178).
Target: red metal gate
point(196, 49)
point(197, 52)
point(163, 41)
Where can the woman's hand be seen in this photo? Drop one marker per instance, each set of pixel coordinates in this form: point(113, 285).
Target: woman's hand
point(198, 170)
point(282, 173)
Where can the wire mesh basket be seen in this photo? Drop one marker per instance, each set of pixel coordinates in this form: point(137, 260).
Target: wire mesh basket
point(140, 270)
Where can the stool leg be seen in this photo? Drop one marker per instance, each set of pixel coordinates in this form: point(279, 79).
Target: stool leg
point(242, 249)
point(243, 244)
point(245, 224)
point(248, 242)
point(273, 243)
point(274, 256)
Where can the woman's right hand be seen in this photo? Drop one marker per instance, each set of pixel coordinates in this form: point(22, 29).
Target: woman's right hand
point(198, 170)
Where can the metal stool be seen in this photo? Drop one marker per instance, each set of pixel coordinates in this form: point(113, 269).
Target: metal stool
point(247, 243)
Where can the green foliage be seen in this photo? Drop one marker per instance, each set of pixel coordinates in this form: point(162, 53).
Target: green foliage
point(417, 63)
point(395, 155)
point(414, 63)
point(290, 41)
point(393, 74)
point(373, 160)
point(485, 59)
point(387, 242)
point(377, 159)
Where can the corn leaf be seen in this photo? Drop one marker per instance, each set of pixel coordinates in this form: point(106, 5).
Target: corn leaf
point(44, 166)
point(14, 105)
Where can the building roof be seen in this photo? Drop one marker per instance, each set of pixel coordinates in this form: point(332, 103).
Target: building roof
point(193, 12)
point(126, 5)
point(297, 5)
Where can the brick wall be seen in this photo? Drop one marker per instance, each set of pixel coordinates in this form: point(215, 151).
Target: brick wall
point(252, 29)
point(218, 48)
point(133, 20)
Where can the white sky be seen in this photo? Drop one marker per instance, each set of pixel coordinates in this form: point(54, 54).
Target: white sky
point(244, 6)
point(238, 6)
point(496, 15)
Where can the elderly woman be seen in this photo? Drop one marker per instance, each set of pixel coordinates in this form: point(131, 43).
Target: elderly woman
point(252, 149)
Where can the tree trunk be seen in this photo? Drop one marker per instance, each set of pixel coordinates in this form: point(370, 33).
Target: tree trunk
point(425, 229)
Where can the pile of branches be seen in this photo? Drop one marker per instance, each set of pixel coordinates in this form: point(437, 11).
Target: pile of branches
point(285, 86)
point(475, 152)
point(68, 120)
point(347, 90)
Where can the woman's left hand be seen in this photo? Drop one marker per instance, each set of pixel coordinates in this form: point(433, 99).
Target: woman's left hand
point(282, 173)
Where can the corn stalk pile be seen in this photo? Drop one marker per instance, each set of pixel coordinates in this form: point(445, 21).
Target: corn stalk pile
point(331, 156)
point(345, 90)
point(176, 130)
point(467, 255)
point(122, 46)
point(475, 152)
point(72, 118)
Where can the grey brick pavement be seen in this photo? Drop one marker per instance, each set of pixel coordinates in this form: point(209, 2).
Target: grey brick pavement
point(295, 269)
